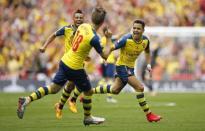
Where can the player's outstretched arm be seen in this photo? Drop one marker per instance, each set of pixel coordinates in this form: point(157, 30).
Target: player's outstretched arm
point(48, 41)
point(105, 54)
point(108, 49)
point(147, 58)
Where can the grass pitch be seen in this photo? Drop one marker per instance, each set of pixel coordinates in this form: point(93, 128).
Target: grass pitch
point(180, 112)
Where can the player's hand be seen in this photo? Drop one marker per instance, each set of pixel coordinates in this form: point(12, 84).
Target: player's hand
point(88, 58)
point(149, 69)
point(42, 49)
point(107, 32)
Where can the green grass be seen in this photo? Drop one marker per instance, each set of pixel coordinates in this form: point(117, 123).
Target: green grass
point(126, 115)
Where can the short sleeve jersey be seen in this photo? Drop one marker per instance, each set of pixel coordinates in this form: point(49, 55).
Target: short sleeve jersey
point(68, 33)
point(130, 49)
point(85, 38)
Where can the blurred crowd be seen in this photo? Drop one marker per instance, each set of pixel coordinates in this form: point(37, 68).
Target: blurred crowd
point(26, 24)
point(178, 58)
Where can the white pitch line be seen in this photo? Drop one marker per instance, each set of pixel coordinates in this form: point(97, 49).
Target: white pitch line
point(163, 104)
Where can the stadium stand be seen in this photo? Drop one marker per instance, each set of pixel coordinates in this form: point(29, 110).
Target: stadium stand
point(26, 24)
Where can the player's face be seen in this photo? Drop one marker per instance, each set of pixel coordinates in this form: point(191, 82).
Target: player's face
point(78, 19)
point(137, 31)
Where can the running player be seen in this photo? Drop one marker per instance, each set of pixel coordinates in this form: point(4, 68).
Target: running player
point(68, 33)
point(131, 46)
point(71, 68)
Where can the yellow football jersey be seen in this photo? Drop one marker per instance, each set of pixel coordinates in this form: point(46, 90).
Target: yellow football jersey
point(68, 33)
point(130, 50)
point(85, 38)
point(111, 57)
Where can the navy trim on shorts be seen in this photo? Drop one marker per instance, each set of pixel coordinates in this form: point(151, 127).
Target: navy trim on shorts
point(123, 72)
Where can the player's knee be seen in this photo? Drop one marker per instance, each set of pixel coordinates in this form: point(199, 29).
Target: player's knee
point(68, 89)
point(54, 88)
point(70, 86)
point(115, 91)
point(54, 91)
point(141, 88)
point(88, 93)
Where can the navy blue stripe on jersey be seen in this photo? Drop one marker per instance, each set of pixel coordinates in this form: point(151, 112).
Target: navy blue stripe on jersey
point(61, 31)
point(95, 42)
point(144, 37)
point(121, 43)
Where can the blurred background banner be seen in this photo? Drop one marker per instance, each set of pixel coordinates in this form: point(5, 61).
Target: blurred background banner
point(175, 29)
point(20, 85)
point(179, 32)
point(159, 86)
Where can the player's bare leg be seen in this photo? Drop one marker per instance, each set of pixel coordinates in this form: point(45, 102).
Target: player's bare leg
point(38, 94)
point(141, 99)
point(112, 89)
point(117, 86)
